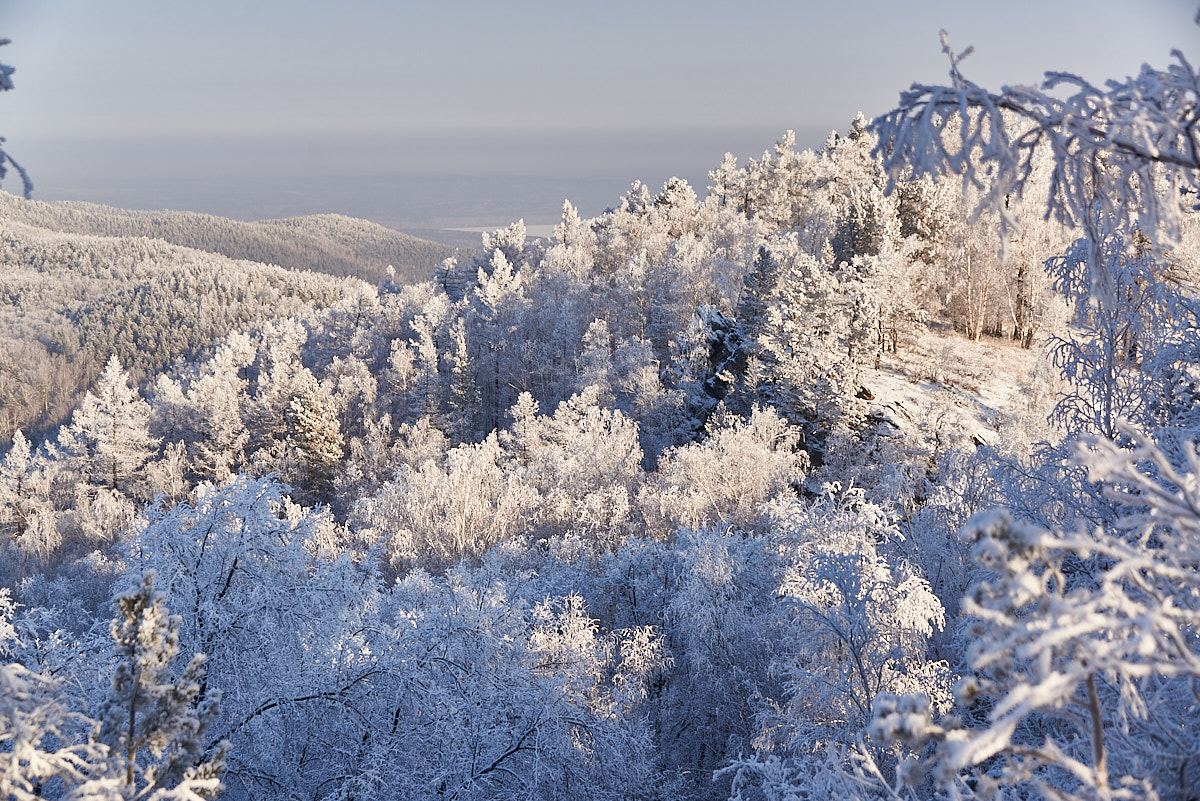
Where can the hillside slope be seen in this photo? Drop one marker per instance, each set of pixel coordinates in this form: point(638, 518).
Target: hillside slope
point(327, 243)
point(69, 301)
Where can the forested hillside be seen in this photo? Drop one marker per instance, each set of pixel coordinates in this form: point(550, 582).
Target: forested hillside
point(325, 243)
point(68, 302)
point(792, 490)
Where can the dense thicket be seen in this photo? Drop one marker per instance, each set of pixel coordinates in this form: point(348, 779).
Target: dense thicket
point(665, 507)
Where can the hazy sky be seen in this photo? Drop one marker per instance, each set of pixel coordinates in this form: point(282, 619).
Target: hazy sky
point(256, 104)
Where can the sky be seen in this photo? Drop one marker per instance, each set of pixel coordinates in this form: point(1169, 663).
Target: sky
point(474, 112)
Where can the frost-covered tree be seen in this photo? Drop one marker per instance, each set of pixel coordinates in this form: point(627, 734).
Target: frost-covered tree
point(587, 471)
point(15, 489)
point(676, 208)
point(463, 400)
point(1082, 648)
point(265, 589)
point(595, 363)
point(1123, 152)
point(864, 617)
point(727, 478)
point(509, 241)
point(488, 695)
point(498, 307)
point(315, 434)
point(149, 741)
point(433, 515)
point(108, 437)
point(895, 295)
point(818, 327)
point(855, 624)
point(429, 328)
point(206, 413)
point(1132, 359)
point(1083, 658)
point(724, 628)
point(279, 377)
point(40, 744)
point(1123, 159)
point(758, 289)
point(29, 533)
point(728, 182)
point(867, 221)
point(156, 726)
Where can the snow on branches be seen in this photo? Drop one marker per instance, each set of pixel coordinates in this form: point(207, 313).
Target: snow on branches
point(1083, 654)
point(1126, 156)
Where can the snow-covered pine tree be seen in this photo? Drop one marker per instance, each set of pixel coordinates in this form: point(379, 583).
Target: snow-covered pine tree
point(497, 307)
point(109, 435)
point(728, 182)
point(156, 726)
point(38, 744)
point(574, 246)
point(14, 489)
point(867, 221)
point(464, 398)
point(315, 434)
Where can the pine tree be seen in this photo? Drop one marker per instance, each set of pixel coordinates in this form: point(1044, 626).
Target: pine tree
point(216, 399)
point(15, 491)
point(524, 437)
point(464, 393)
point(510, 241)
point(109, 435)
point(497, 306)
point(36, 743)
point(675, 207)
point(155, 727)
point(728, 183)
point(573, 251)
point(758, 289)
point(867, 219)
point(314, 433)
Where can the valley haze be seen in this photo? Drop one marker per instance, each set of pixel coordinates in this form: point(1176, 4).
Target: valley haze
point(469, 113)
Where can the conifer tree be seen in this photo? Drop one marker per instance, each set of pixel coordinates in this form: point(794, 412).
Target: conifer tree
point(867, 220)
point(758, 289)
point(464, 393)
point(14, 487)
point(478, 382)
point(109, 435)
point(573, 251)
point(314, 433)
point(523, 439)
point(728, 183)
point(155, 727)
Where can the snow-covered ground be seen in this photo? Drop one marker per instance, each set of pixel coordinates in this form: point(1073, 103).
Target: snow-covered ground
point(964, 388)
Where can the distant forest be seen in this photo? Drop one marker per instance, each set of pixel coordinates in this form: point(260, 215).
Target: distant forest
point(323, 243)
point(80, 283)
